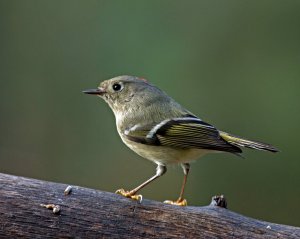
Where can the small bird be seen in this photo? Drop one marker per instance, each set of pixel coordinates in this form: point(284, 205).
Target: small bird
point(159, 129)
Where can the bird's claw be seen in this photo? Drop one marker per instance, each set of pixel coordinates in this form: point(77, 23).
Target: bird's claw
point(179, 202)
point(129, 194)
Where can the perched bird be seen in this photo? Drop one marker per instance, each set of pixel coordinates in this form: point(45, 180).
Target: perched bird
point(157, 128)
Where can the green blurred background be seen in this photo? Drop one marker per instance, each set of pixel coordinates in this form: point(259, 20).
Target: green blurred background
point(236, 64)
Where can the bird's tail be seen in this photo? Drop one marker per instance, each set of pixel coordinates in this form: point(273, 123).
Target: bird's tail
point(238, 141)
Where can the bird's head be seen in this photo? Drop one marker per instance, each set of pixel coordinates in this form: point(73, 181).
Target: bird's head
point(124, 92)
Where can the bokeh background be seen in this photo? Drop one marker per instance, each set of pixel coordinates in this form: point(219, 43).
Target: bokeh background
point(235, 64)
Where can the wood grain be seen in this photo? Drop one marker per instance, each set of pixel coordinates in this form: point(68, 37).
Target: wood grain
point(88, 213)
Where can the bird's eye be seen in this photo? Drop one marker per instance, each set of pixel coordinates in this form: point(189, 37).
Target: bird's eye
point(117, 87)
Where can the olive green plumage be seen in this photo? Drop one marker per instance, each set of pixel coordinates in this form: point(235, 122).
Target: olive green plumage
point(157, 128)
point(139, 107)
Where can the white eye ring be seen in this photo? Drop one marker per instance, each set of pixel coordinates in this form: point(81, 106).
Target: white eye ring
point(117, 87)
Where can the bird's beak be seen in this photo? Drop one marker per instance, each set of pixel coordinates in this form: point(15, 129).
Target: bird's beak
point(98, 91)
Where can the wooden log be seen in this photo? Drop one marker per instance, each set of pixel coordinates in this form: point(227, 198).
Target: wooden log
point(88, 213)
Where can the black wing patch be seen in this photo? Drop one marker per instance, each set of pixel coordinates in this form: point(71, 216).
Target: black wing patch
point(185, 133)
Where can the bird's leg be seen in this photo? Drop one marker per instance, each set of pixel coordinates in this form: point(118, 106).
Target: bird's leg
point(160, 170)
point(181, 201)
point(186, 169)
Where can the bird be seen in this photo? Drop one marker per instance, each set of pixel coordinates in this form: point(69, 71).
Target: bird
point(159, 129)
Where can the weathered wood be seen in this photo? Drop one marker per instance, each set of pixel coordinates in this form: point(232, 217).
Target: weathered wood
point(88, 213)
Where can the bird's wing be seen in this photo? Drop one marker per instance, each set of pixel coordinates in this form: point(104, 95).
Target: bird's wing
point(185, 133)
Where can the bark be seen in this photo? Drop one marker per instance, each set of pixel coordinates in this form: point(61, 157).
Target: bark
point(89, 213)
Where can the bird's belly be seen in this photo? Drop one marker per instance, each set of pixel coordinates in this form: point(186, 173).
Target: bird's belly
point(165, 155)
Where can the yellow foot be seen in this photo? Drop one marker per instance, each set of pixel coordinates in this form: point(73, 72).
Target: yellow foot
point(179, 202)
point(128, 194)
